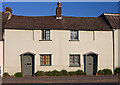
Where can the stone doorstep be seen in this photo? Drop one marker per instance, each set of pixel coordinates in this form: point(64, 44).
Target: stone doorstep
point(66, 81)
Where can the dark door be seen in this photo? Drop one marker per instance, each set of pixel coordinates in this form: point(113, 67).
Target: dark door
point(91, 64)
point(28, 64)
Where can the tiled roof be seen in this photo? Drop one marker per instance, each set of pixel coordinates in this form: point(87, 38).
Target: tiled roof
point(50, 22)
point(114, 20)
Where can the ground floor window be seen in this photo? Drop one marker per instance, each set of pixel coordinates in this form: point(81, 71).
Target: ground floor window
point(74, 60)
point(45, 59)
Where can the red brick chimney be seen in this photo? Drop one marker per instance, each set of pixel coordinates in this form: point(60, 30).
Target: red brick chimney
point(9, 11)
point(58, 11)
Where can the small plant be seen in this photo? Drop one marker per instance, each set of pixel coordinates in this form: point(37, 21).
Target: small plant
point(48, 73)
point(105, 72)
point(117, 70)
point(64, 72)
point(18, 74)
point(71, 73)
point(56, 73)
point(100, 72)
point(84, 73)
point(79, 72)
point(6, 74)
point(39, 73)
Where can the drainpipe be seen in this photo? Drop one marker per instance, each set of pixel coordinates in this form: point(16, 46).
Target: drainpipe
point(113, 35)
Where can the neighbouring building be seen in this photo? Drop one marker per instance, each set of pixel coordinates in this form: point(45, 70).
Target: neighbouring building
point(59, 42)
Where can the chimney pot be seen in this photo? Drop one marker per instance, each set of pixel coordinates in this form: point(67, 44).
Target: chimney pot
point(59, 4)
point(8, 9)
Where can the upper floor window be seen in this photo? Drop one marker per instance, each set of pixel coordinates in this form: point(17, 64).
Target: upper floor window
point(45, 34)
point(74, 35)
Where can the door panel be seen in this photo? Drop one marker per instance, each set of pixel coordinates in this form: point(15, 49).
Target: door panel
point(27, 64)
point(89, 65)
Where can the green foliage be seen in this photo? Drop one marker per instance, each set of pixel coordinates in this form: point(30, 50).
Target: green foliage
point(56, 73)
point(6, 74)
point(71, 73)
point(117, 70)
point(105, 72)
point(100, 72)
point(48, 73)
point(59, 73)
point(64, 72)
point(39, 73)
point(79, 72)
point(84, 73)
point(18, 74)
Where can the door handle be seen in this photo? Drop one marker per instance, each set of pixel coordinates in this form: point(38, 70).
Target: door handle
point(90, 64)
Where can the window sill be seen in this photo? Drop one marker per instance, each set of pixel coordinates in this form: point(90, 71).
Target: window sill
point(45, 40)
point(74, 66)
point(45, 65)
point(74, 40)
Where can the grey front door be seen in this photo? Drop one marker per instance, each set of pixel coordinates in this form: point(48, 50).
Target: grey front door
point(91, 64)
point(27, 64)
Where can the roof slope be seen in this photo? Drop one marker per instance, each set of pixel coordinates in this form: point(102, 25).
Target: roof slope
point(50, 22)
point(114, 20)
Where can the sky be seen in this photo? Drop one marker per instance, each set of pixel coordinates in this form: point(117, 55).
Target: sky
point(77, 9)
point(60, 0)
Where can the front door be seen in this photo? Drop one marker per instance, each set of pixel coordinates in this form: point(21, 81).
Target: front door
point(91, 64)
point(28, 64)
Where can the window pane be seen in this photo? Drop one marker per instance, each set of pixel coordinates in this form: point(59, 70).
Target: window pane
point(74, 35)
point(74, 60)
point(71, 60)
point(45, 59)
point(45, 34)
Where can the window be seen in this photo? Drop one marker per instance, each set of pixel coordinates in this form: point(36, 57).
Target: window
point(74, 60)
point(74, 35)
point(45, 34)
point(45, 59)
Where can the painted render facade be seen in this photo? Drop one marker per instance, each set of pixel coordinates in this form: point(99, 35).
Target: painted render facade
point(60, 47)
point(48, 43)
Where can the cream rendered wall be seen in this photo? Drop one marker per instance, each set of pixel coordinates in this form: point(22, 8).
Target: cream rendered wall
point(60, 47)
point(117, 47)
point(1, 56)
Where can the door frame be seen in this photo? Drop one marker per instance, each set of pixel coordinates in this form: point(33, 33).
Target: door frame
point(33, 61)
point(95, 55)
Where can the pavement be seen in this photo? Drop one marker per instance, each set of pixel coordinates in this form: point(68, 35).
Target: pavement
point(62, 79)
point(61, 84)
